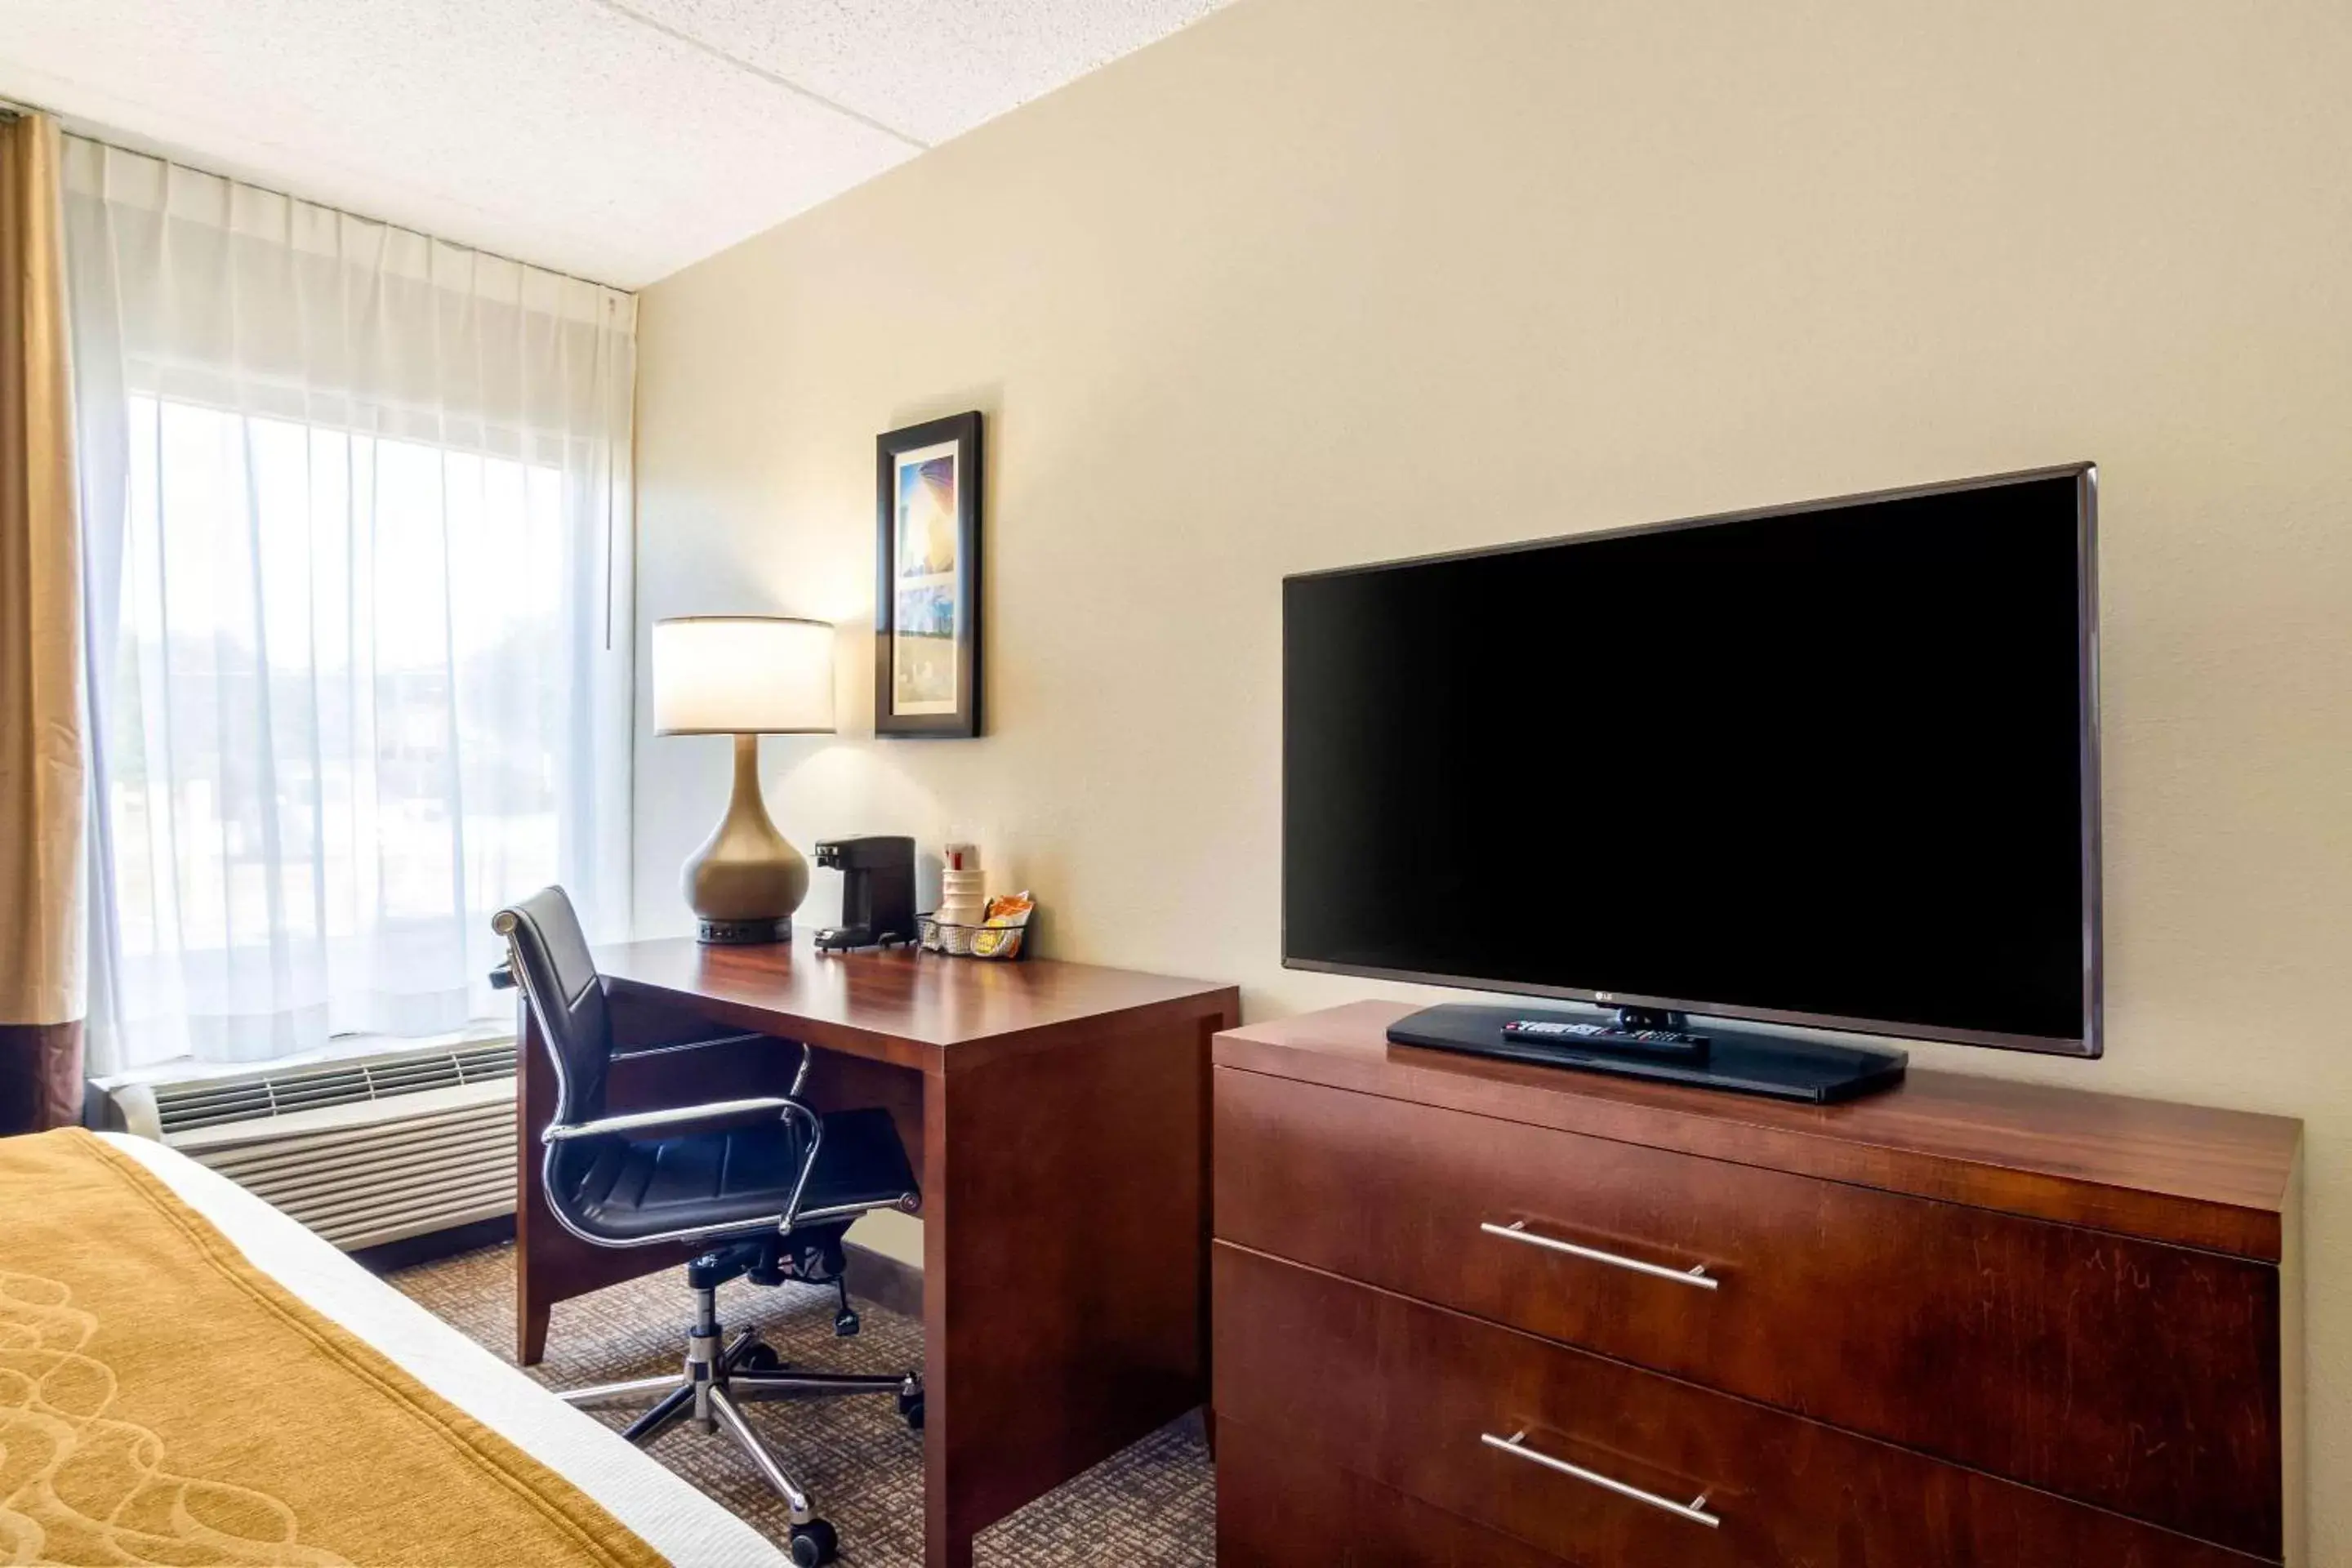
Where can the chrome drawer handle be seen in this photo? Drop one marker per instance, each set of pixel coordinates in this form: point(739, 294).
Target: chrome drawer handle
point(1517, 1231)
point(1694, 1510)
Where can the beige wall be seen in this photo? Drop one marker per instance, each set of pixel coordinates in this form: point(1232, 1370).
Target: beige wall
point(1321, 281)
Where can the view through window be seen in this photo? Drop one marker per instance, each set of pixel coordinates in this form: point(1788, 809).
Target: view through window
point(335, 736)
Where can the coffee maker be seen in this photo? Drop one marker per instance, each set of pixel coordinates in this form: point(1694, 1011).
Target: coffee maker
point(877, 891)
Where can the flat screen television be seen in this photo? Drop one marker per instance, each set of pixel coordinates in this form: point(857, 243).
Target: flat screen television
point(1832, 765)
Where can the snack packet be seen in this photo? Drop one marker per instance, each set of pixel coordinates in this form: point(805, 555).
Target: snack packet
point(1001, 932)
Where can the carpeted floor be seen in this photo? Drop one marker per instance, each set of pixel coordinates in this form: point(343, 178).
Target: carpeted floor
point(1151, 1506)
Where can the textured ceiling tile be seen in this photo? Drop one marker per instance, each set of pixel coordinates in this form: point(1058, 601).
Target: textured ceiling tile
point(616, 139)
point(931, 68)
point(559, 131)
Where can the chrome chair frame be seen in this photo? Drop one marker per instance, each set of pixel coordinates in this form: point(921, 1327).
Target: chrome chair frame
point(789, 1106)
point(712, 1384)
point(706, 1390)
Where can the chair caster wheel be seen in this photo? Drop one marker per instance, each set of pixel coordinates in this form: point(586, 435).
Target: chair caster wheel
point(845, 1324)
point(910, 1409)
point(815, 1544)
point(761, 1357)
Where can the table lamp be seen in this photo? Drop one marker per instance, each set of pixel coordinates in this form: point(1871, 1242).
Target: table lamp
point(745, 675)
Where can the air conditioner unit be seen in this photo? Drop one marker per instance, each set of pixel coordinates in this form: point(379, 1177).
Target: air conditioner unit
point(363, 1150)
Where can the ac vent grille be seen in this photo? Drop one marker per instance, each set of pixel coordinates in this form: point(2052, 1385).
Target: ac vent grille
point(209, 1102)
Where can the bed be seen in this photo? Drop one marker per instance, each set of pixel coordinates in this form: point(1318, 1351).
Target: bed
point(648, 1514)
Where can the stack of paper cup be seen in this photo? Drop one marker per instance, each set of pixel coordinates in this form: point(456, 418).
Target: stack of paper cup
point(964, 895)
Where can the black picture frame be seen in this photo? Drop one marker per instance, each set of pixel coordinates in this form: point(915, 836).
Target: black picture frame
point(917, 665)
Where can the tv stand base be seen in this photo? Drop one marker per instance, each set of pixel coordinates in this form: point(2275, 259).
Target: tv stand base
point(1739, 1061)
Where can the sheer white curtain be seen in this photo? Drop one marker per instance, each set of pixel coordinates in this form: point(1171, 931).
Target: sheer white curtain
point(359, 607)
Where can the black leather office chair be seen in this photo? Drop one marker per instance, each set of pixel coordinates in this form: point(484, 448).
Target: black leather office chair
point(768, 1184)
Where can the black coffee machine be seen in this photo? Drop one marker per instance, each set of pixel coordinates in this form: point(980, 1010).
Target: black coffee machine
point(877, 891)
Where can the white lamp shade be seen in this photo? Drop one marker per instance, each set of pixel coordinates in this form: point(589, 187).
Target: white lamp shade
point(743, 675)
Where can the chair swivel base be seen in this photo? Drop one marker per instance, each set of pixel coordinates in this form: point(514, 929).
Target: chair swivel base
point(714, 1386)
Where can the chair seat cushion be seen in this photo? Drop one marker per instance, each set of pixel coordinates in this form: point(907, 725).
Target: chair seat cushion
point(627, 1189)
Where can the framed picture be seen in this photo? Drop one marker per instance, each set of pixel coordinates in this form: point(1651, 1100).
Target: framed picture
point(926, 597)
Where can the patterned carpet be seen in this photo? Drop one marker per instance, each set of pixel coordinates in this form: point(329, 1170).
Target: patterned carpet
point(1153, 1506)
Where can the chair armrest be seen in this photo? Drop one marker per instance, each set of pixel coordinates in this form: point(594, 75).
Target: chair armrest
point(676, 1116)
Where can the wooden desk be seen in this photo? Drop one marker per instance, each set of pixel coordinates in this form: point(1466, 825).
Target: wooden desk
point(1058, 1114)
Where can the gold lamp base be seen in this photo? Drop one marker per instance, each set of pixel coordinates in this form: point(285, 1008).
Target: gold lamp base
point(746, 881)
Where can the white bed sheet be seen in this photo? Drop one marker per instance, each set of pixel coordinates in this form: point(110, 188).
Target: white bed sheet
point(666, 1513)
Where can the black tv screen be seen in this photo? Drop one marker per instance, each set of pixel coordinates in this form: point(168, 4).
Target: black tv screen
point(1829, 765)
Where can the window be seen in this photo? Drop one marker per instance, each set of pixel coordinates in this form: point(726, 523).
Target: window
point(359, 665)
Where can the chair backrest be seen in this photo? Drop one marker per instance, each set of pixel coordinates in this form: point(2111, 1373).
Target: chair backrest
point(559, 984)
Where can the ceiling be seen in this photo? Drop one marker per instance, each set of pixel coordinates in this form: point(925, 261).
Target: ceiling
point(618, 140)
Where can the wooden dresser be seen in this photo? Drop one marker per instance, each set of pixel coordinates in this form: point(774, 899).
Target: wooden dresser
point(1473, 1313)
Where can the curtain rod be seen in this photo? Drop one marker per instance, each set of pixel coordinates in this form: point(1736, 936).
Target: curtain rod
point(12, 109)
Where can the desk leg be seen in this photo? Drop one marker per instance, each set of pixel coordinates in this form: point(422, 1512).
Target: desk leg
point(534, 1109)
point(1064, 1238)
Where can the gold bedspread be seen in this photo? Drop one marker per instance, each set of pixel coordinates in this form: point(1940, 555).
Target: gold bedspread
point(162, 1400)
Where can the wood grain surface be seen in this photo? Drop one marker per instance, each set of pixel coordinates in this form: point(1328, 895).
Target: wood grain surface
point(2185, 1174)
point(2135, 1375)
point(1294, 1347)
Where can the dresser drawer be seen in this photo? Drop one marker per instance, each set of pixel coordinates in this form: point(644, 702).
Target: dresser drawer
point(2140, 1377)
point(1601, 1464)
point(1278, 1508)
